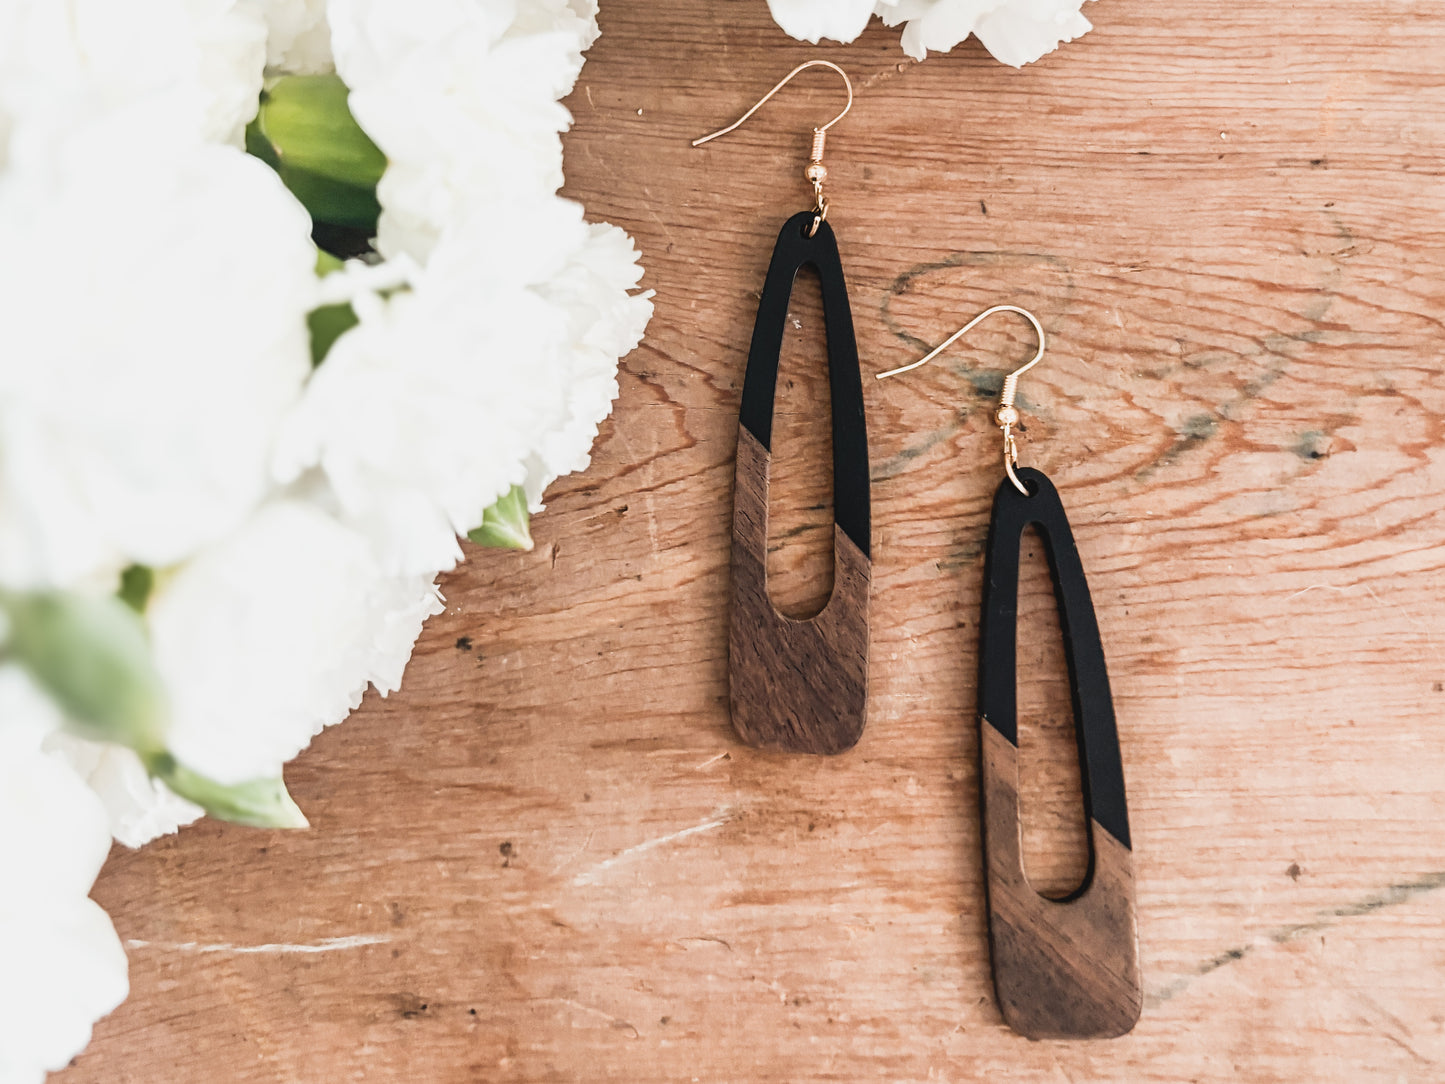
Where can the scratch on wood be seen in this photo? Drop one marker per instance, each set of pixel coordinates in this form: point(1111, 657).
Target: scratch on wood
point(615, 1021)
point(1421, 625)
point(569, 859)
point(1396, 1024)
point(1392, 896)
point(329, 944)
point(592, 875)
point(1333, 587)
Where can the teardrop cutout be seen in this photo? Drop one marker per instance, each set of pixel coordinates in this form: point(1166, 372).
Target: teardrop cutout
point(801, 686)
point(1062, 968)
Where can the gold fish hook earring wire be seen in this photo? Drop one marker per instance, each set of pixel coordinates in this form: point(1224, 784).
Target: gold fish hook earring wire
point(816, 172)
point(1007, 415)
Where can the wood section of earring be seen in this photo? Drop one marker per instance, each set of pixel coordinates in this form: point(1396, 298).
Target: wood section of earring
point(1062, 968)
point(801, 686)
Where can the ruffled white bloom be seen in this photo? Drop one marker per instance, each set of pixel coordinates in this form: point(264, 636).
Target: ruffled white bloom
point(298, 41)
point(496, 367)
point(155, 334)
point(426, 80)
point(501, 356)
point(273, 634)
point(61, 964)
point(1017, 32)
point(172, 67)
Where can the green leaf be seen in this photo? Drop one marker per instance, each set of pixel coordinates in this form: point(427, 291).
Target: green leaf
point(506, 524)
point(136, 583)
point(328, 323)
point(257, 803)
point(305, 131)
point(91, 653)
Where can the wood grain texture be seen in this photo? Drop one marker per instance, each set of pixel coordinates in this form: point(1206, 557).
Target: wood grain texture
point(563, 863)
point(794, 685)
point(1062, 969)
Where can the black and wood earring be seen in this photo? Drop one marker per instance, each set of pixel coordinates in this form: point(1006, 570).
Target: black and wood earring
point(1066, 968)
point(801, 685)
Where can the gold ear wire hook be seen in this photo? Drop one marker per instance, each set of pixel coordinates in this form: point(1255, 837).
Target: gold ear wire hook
point(817, 172)
point(1007, 415)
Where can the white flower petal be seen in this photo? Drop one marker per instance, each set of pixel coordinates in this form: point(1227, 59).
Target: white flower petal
point(813, 20)
point(402, 604)
point(1021, 32)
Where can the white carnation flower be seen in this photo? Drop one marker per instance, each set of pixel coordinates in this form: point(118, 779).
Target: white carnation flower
point(273, 634)
point(144, 372)
point(193, 67)
point(61, 965)
point(504, 348)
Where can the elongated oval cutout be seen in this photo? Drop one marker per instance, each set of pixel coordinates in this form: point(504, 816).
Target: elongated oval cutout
point(1061, 968)
point(800, 685)
point(1055, 831)
point(800, 490)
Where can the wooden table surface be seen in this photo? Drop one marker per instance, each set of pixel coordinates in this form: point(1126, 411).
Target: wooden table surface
point(548, 858)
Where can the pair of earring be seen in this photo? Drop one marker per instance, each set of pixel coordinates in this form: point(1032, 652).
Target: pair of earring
point(1062, 968)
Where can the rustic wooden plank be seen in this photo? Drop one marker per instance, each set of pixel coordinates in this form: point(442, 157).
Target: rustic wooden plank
point(1231, 222)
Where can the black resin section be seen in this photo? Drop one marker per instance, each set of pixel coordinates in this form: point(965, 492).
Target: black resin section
point(794, 251)
point(1102, 770)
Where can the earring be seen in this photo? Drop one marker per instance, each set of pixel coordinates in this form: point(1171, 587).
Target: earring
point(800, 686)
point(1061, 968)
